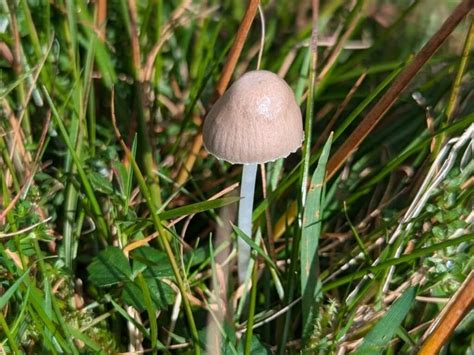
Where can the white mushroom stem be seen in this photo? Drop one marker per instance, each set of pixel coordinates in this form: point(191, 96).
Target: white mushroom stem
point(247, 188)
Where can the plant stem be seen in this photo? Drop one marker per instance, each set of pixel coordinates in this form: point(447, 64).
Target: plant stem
point(247, 188)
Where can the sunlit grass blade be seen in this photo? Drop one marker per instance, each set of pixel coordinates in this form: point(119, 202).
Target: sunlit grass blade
point(310, 234)
point(10, 337)
point(198, 207)
point(255, 247)
point(400, 260)
point(377, 339)
point(12, 289)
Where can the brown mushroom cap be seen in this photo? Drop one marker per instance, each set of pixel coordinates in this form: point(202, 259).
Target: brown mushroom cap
point(256, 120)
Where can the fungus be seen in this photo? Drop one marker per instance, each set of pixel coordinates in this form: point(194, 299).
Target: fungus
point(256, 121)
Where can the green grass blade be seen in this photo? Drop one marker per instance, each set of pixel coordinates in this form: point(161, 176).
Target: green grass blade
point(373, 95)
point(310, 235)
point(9, 335)
point(380, 335)
point(254, 246)
point(417, 253)
point(77, 334)
point(198, 207)
point(102, 224)
point(124, 314)
point(164, 243)
point(12, 289)
point(47, 322)
point(151, 310)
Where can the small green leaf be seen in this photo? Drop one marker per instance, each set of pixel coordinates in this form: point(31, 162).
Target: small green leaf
point(380, 335)
point(109, 267)
point(100, 183)
point(121, 174)
point(196, 256)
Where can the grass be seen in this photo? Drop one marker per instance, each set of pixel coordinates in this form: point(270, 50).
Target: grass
point(116, 227)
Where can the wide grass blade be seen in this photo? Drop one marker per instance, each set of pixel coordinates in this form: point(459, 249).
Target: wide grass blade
point(311, 231)
point(385, 329)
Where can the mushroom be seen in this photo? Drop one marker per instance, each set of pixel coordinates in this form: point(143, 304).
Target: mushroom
point(256, 121)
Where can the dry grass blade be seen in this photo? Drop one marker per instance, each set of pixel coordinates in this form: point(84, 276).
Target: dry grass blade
point(383, 105)
point(24, 230)
point(223, 82)
point(136, 56)
point(324, 136)
point(236, 49)
point(388, 99)
point(32, 172)
point(101, 18)
point(445, 324)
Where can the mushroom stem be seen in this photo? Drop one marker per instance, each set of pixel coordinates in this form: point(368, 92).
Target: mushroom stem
point(247, 188)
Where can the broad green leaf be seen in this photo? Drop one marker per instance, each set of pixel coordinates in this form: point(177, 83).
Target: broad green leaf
point(161, 294)
point(152, 262)
point(257, 347)
point(377, 339)
point(310, 240)
point(109, 267)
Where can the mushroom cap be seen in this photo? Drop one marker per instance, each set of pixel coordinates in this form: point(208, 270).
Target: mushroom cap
point(256, 120)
